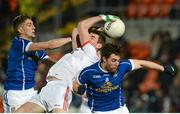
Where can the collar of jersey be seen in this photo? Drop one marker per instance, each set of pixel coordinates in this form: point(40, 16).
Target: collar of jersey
point(101, 68)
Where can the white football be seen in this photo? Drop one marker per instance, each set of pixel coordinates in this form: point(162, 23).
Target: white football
point(114, 29)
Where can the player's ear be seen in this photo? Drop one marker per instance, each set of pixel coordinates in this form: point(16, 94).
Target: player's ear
point(20, 29)
point(104, 59)
point(99, 46)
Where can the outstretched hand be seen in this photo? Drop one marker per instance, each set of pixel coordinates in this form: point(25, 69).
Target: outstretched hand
point(109, 17)
point(169, 70)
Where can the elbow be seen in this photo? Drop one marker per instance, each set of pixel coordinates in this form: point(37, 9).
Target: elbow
point(82, 25)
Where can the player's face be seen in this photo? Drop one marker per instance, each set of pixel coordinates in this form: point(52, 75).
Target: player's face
point(112, 63)
point(94, 40)
point(27, 29)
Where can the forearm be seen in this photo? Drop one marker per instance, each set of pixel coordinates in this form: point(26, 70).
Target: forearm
point(55, 43)
point(49, 44)
point(153, 65)
point(87, 23)
point(74, 38)
point(75, 86)
point(74, 44)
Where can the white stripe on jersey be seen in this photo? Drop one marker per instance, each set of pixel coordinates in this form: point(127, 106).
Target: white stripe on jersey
point(22, 63)
point(27, 46)
point(132, 63)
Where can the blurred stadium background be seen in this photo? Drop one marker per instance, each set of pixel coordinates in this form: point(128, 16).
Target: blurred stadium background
point(152, 33)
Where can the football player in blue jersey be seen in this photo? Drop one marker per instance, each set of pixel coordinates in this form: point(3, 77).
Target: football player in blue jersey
point(22, 62)
point(104, 80)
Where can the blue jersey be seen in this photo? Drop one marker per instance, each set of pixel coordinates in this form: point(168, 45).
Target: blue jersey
point(22, 65)
point(104, 90)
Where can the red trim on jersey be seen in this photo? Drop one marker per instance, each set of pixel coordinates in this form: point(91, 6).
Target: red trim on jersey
point(65, 104)
point(85, 43)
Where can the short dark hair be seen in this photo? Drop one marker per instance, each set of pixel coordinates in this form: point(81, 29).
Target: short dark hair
point(109, 49)
point(19, 20)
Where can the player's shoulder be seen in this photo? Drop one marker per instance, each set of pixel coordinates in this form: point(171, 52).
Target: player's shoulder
point(90, 69)
point(124, 61)
point(94, 66)
point(17, 41)
point(76, 51)
point(87, 45)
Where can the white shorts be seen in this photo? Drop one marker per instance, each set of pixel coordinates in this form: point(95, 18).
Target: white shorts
point(16, 98)
point(123, 109)
point(60, 71)
point(56, 94)
point(84, 107)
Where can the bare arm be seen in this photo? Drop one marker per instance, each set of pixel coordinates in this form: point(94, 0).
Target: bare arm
point(84, 25)
point(75, 86)
point(147, 64)
point(74, 36)
point(55, 43)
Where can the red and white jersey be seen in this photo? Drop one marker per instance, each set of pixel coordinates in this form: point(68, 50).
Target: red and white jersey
point(71, 64)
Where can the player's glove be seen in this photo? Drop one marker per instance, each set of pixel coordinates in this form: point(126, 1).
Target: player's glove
point(169, 70)
point(109, 17)
point(81, 89)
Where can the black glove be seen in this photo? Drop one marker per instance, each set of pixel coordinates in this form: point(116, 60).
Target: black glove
point(81, 89)
point(169, 70)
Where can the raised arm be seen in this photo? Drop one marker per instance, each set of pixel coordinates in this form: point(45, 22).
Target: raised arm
point(55, 43)
point(74, 36)
point(84, 25)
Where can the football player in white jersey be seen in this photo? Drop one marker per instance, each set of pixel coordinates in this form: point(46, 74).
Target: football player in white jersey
point(56, 95)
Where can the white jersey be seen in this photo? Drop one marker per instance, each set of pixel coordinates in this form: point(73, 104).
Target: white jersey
point(71, 64)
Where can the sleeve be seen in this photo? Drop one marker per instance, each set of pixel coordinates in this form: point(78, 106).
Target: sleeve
point(22, 44)
point(27, 46)
point(38, 55)
point(126, 66)
point(41, 54)
point(90, 51)
point(83, 77)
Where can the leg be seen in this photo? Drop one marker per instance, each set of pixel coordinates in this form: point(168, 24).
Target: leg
point(66, 101)
point(30, 107)
point(13, 99)
point(58, 96)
